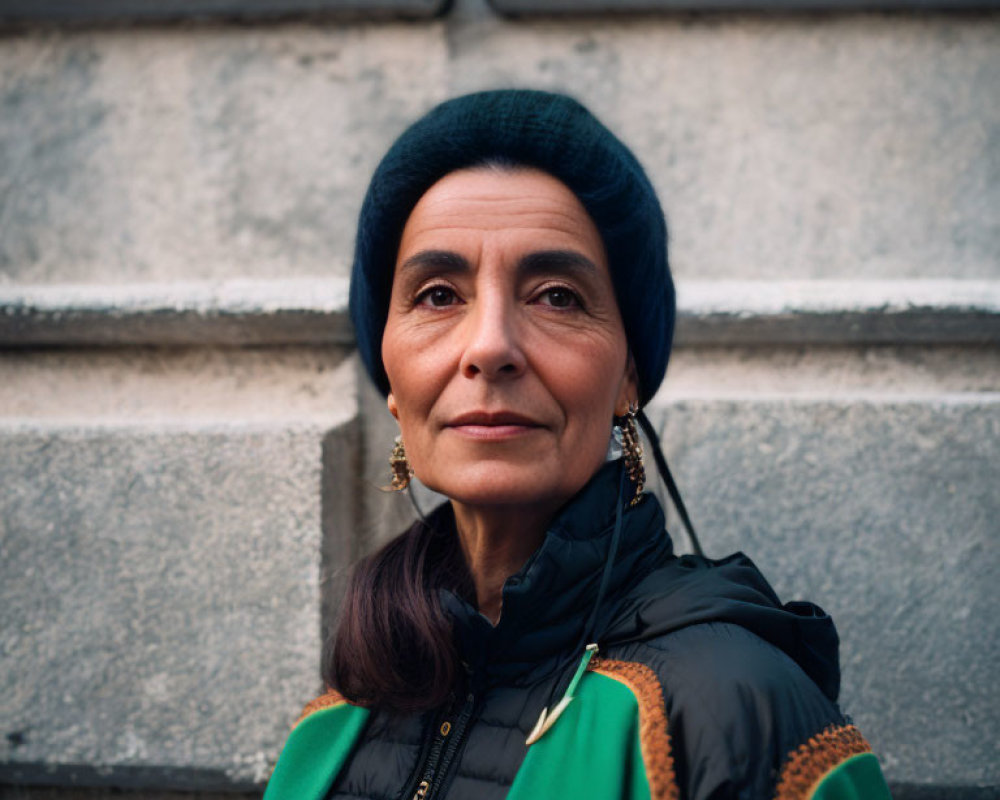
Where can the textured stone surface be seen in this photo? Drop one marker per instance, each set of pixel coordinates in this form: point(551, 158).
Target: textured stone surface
point(190, 386)
point(552, 7)
point(46, 793)
point(163, 154)
point(825, 312)
point(53, 11)
point(160, 608)
point(847, 374)
point(786, 146)
point(237, 312)
point(852, 145)
point(884, 513)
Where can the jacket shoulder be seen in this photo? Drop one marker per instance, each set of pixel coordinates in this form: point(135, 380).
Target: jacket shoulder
point(316, 749)
point(330, 698)
point(744, 720)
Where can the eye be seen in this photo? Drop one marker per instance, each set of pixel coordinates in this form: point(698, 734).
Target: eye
point(437, 297)
point(559, 297)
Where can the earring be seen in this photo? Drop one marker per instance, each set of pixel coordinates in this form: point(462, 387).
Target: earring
point(632, 448)
point(401, 470)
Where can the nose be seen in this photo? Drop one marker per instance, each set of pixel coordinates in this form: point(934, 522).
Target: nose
point(493, 341)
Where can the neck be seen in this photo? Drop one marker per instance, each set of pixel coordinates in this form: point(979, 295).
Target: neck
point(496, 543)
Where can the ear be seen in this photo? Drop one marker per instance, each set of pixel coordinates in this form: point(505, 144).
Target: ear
point(393, 409)
point(628, 392)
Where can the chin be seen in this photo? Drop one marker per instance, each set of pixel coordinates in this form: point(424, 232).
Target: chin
point(504, 485)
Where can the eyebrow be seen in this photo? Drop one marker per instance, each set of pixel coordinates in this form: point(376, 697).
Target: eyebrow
point(565, 261)
point(540, 261)
point(434, 260)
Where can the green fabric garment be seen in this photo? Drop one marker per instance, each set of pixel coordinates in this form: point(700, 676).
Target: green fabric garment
point(857, 778)
point(593, 750)
point(315, 752)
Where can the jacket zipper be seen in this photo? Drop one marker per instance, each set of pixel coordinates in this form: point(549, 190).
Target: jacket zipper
point(445, 746)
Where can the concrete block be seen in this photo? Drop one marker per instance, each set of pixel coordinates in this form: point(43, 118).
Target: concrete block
point(884, 512)
point(184, 386)
point(785, 146)
point(235, 312)
point(160, 597)
point(177, 153)
point(825, 312)
point(830, 373)
point(521, 8)
point(118, 11)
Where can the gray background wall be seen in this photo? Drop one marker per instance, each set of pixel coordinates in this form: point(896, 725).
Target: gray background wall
point(189, 458)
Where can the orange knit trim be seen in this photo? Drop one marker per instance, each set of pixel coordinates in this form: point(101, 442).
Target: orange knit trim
point(811, 761)
point(331, 698)
point(654, 740)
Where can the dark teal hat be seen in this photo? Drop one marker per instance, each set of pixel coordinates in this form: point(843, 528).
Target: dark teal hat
point(556, 134)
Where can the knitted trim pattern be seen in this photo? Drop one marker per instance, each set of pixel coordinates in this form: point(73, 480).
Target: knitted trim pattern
point(654, 739)
point(331, 698)
point(811, 761)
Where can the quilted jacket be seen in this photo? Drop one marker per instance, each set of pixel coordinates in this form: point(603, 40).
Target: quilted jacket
point(703, 685)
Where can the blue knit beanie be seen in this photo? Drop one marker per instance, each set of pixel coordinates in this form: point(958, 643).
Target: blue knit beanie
point(559, 136)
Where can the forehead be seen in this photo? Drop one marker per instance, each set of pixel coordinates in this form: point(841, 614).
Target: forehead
point(498, 203)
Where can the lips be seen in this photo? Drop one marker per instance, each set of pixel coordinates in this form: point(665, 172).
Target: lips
point(493, 426)
point(492, 419)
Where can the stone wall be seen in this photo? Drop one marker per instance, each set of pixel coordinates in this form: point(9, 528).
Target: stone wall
point(189, 458)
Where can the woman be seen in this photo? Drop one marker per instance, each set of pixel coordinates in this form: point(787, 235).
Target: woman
point(534, 636)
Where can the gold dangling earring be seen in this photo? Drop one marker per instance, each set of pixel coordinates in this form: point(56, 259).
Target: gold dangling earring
point(632, 447)
point(401, 470)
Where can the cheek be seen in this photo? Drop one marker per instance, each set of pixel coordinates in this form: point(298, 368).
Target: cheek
point(588, 388)
point(417, 376)
point(397, 359)
point(415, 386)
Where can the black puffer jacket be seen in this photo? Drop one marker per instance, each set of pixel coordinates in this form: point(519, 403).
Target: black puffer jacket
point(733, 693)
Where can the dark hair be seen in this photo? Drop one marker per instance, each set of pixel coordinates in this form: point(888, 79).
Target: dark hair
point(393, 647)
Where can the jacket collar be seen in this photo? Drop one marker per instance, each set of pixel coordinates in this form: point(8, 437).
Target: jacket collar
point(547, 604)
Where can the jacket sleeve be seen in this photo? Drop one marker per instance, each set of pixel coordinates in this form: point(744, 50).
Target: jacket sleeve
point(745, 722)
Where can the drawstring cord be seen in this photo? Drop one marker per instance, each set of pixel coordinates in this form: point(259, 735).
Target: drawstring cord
point(546, 719)
point(668, 480)
point(588, 630)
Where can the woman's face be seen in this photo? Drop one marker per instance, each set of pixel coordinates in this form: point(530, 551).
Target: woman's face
point(504, 346)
